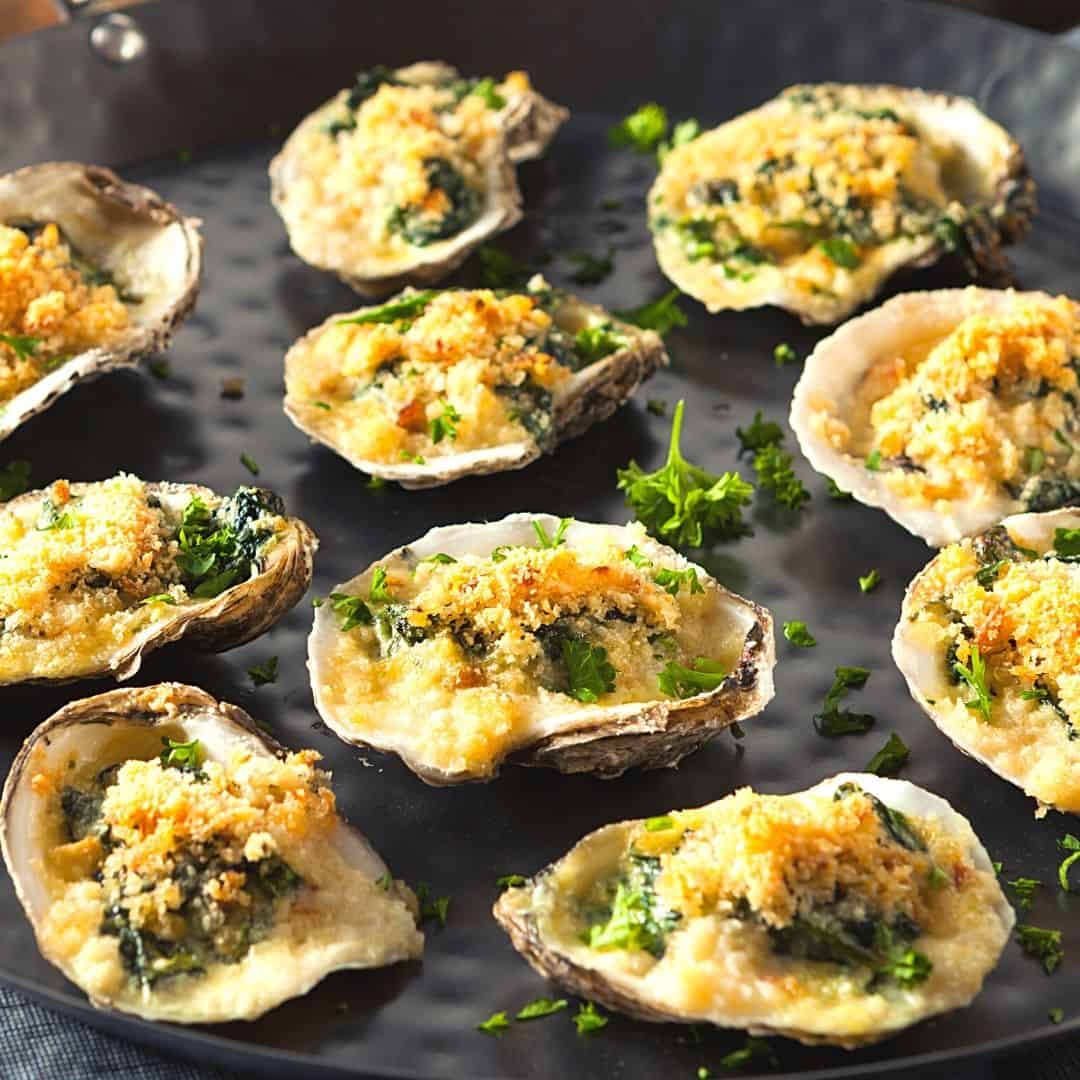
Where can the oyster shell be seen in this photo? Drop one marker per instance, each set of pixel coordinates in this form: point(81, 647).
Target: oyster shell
point(102, 624)
point(729, 965)
point(935, 175)
point(243, 958)
point(456, 692)
point(127, 235)
point(503, 425)
point(1012, 595)
point(325, 218)
point(968, 348)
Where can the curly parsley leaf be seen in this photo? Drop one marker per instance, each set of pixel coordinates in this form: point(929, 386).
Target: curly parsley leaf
point(642, 130)
point(593, 343)
point(405, 307)
point(556, 539)
point(588, 669)
point(683, 682)
point(840, 251)
point(264, 674)
point(14, 479)
point(1042, 945)
point(495, 1024)
point(353, 611)
point(1070, 844)
point(541, 1007)
point(835, 492)
point(891, 758)
point(672, 580)
point(591, 269)
point(444, 426)
point(974, 674)
point(682, 503)
point(22, 345)
point(379, 592)
point(754, 1049)
point(501, 270)
point(775, 473)
point(797, 633)
point(589, 1019)
point(662, 315)
point(185, 756)
point(759, 434)
point(635, 556)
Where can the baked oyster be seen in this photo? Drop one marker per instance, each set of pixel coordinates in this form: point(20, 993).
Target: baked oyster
point(841, 914)
point(988, 643)
point(811, 201)
point(948, 409)
point(435, 385)
point(586, 648)
point(95, 273)
point(177, 863)
point(397, 179)
point(95, 575)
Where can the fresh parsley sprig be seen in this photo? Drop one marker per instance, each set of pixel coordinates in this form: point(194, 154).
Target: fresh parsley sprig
point(662, 315)
point(974, 674)
point(797, 633)
point(588, 669)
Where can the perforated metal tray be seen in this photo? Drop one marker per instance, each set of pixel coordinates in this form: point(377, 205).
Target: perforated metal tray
point(193, 119)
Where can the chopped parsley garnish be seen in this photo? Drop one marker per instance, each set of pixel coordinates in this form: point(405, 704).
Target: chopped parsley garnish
point(264, 674)
point(891, 758)
point(1042, 945)
point(384, 881)
point(541, 1007)
point(682, 503)
point(437, 907)
point(1055, 1016)
point(495, 1024)
point(775, 473)
point(485, 90)
point(832, 720)
point(444, 426)
point(499, 553)
point(553, 541)
point(835, 492)
point(634, 555)
point(185, 756)
point(353, 611)
point(642, 130)
point(1070, 844)
point(784, 354)
point(441, 558)
point(406, 307)
point(511, 881)
point(683, 132)
point(672, 580)
point(974, 674)
point(22, 345)
point(591, 269)
point(51, 518)
point(14, 479)
point(1034, 460)
point(1067, 543)
point(250, 464)
point(158, 598)
point(659, 824)
point(754, 1049)
point(379, 593)
point(759, 434)
point(841, 251)
point(683, 682)
point(160, 369)
point(873, 460)
point(661, 315)
point(416, 459)
point(589, 1019)
point(987, 575)
point(797, 633)
point(870, 581)
point(1024, 887)
point(657, 406)
point(593, 343)
point(589, 671)
point(501, 270)
point(375, 483)
point(324, 405)
point(906, 967)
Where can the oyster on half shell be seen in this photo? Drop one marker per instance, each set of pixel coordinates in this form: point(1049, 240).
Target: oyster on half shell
point(396, 180)
point(730, 914)
point(585, 648)
point(129, 277)
point(434, 386)
point(987, 642)
point(95, 575)
point(948, 409)
point(813, 200)
point(177, 863)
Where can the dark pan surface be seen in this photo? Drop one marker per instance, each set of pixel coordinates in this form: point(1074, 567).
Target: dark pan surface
point(219, 71)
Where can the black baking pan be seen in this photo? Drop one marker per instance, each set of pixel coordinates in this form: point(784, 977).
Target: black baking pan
point(198, 116)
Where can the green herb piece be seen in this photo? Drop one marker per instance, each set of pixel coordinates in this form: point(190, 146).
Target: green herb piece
point(22, 345)
point(541, 1007)
point(185, 756)
point(906, 967)
point(642, 130)
point(441, 558)
point(684, 131)
point(591, 269)
point(250, 464)
point(264, 674)
point(873, 460)
point(975, 676)
point(682, 503)
point(1055, 1016)
point(833, 721)
point(14, 479)
point(662, 315)
point(784, 354)
point(486, 89)
point(51, 518)
point(405, 307)
point(773, 467)
point(324, 405)
point(987, 575)
point(437, 907)
point(593, 343)
point(937, 878)
point(375, 483)
point(444, 426)
point(754, 1049)
point(384, 881)
point(841, 251)
point(759, 434)
point(353, 611)
point(891, 758)
point(416, 459)
point(160, 369)
point(1067, 543)
point(1034, 460)
point(998, 867)
point(588, 669)
point(557, 538)
point(501, 270)
point(511, 881)
point(835, 492)
point(656, 406)
point(672, 580)
point(495, 1024)
point(1059, 435)
point(589, 1019)
point(869, 582)
point(499, 553)
point(158, 598)
point(379, 593)
point(683, 682)
point(634, 555)
point(659, 824)
point(1042, 945)
point(797, 633)
point(1070, 844)
point(1024, 887)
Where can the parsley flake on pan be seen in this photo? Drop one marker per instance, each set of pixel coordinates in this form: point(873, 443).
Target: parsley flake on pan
point(591, 269)
point(264, 674)
point(495, 1024)
point(541, 1007)
point(250, 464)
point(14, 479)
point(1024, 887)
point(682, 503)
point(642, 130)
point(589, 1019)
point(1070, 844)
point(661, 315)
point(759, 434)
point(891, 758)
point(775, 473)
point(870, 581)
point(1042, 945)
point(511, 881)
point(832, 720)
point(797, 633)
point(784, 354)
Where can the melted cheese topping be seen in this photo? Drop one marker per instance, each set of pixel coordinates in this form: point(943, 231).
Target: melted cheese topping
point(987, 411)
point(45, 302)
point(382, 392)
point(485, 668)
point(351, 181)
point(733, 876)
point(817, 170)
point(1024, 619)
